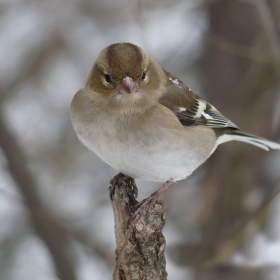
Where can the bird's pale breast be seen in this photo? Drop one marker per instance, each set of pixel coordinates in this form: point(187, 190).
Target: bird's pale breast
point(151, 149)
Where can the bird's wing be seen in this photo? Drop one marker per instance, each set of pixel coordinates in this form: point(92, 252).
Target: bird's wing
point(190, 109)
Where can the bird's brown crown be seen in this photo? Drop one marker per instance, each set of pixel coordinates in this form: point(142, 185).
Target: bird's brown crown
point(123, 59)
point(126, 59)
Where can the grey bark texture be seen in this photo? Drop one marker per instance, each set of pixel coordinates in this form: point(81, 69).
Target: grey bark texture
point(140, 250)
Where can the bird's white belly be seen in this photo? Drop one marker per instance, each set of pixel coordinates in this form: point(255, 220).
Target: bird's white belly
point(151, 160)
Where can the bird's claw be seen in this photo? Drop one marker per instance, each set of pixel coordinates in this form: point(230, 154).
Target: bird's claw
point(120, 179)
point(146, 204)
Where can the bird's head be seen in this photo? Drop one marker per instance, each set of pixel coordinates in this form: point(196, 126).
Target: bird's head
point(125, 79)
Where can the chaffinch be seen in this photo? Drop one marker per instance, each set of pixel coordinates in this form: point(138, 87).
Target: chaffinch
point(145, 122)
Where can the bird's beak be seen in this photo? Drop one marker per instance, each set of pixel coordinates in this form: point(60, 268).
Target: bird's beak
point(128, 85)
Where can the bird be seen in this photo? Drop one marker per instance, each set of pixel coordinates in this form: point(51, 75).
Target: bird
point(147, 123)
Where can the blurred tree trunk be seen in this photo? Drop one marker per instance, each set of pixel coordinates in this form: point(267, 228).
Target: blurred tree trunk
point(241, 87)
point(54, 237)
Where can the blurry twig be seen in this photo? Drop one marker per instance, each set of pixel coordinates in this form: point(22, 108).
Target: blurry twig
point(33, 64)
point(232, 244)
point(274, 43)
point(240, 50)
point(141, 22)
point(89, 242)
point(269, 29)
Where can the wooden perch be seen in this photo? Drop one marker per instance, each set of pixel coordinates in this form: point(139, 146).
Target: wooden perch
point(140, 251)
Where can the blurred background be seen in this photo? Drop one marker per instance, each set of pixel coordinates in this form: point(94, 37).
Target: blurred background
point(56, 221)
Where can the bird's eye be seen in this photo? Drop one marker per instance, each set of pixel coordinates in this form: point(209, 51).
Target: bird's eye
point(108, 78)
point(143, 76)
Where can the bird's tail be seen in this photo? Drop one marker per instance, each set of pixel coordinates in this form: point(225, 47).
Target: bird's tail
point(248, 138)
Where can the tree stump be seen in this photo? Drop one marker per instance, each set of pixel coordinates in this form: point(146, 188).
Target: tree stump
point(140, 251)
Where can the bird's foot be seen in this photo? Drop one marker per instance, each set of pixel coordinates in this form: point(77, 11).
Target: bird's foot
point(120, 179)
point(146, 204)
point(149, 202)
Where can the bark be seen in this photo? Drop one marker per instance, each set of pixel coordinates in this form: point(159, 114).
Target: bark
point(140, 243)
